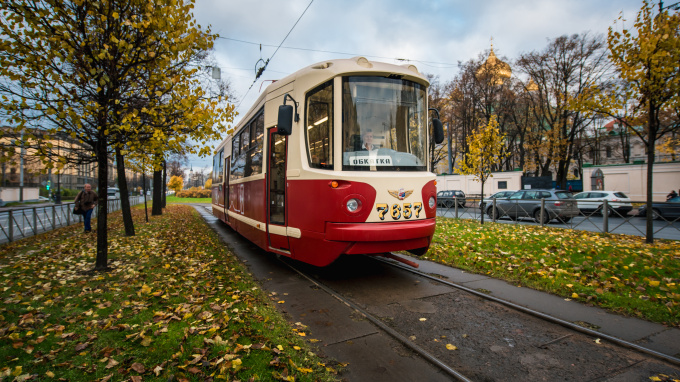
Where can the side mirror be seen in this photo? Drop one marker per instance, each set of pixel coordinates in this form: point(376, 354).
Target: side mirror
point(437, 129)
point(285, 122)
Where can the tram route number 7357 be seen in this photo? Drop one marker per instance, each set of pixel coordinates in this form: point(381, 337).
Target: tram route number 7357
point(397, 211)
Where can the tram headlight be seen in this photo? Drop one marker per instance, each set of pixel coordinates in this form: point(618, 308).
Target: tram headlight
point(353, 205)
point(431, 202)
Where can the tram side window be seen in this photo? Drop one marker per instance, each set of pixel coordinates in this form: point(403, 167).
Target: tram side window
point(237, 160)
point(214, 170)
point(218, 169)
point(256, 147)
point(247, 149)
point(319, 122)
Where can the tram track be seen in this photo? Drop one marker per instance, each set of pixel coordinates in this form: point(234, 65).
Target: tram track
point(547, 317)
point(376, 321)
point(578, 345)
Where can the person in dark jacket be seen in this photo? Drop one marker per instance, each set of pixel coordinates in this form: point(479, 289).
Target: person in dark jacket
point(87, 200)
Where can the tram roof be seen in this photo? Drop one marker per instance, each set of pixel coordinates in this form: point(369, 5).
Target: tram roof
point(321, 72)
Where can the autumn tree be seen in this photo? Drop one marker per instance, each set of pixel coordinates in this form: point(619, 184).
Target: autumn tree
point(485, 151)
point(436, 99)
point(176, 183)
point(78, 67)
point(176, 164)
point(208, 184)
point(562, 72)
point(645, 59)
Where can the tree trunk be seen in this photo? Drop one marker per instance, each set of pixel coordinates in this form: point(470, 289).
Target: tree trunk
point(146, 210)
point(101, 262)
point(651, 140)
point(165, 181)
point(124, 195)
point(157, 202)
point(482, 202)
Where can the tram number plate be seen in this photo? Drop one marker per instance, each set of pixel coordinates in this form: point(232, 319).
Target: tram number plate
point(397, 211)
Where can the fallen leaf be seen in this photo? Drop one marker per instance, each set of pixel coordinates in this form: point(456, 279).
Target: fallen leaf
point(157, 370)
point(138, 367)
point(451, 347)
point(112, 363)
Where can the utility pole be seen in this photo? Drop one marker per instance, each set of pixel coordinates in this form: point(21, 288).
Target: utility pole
point(21, 170)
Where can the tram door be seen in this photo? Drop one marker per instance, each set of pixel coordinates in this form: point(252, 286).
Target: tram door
point(225, 201)
point(276, 199)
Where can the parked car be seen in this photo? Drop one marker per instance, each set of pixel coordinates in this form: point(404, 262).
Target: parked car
point(669, 210)
point(449, 198)
point(559, 204)
point(113, 193)
point(591, 201)
point(487, 203)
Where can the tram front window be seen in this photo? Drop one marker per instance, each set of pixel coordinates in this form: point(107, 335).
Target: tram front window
point(384, 125)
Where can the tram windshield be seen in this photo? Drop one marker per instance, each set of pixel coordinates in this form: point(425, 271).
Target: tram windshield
point(384, 124)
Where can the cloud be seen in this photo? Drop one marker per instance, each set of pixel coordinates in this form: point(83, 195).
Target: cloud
point(435, 35)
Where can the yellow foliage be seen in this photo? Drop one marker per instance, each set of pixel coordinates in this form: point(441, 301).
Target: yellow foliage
point(176, 183)
point(485, 146)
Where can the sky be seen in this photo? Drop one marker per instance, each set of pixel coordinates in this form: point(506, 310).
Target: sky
point(434, 35)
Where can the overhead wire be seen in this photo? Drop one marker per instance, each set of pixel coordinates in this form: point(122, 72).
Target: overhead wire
point(259, 73)
point(446, 64)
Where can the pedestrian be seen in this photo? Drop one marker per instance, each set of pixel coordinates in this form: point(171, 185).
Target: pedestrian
point(86, 200)
point(671, 195)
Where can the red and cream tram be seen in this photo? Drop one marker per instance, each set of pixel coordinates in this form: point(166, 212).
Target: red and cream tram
point(332, 160)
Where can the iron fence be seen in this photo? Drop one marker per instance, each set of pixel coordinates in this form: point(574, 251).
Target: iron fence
point(18, 223)
point(605, 218)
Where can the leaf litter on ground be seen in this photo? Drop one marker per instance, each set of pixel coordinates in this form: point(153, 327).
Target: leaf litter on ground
point(619, 272)
point(176, 305)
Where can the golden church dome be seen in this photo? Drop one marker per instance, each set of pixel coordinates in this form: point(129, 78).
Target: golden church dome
point(499, 70)
point(531, 85)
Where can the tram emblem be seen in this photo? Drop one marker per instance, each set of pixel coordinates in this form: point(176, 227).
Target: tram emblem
point(401, 194)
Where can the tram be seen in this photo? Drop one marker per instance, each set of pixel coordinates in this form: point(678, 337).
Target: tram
point(332, 160)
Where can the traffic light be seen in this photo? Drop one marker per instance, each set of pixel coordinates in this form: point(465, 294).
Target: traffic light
point(49, 183)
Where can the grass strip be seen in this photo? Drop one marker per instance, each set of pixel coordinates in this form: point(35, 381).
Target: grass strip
point(174, 199)
point(176, 306)
point(617, 272)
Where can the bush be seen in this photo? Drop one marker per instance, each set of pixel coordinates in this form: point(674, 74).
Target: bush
point(194, 193)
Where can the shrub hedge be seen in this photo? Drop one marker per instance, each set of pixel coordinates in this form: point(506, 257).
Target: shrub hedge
point(194, 194)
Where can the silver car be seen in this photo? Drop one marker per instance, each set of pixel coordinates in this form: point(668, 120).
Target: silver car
point(486, 205)
point(592, 201)
point(559, 205)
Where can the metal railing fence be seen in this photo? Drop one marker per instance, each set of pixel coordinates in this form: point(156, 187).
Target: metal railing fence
point(18, 223)
point(604, 218)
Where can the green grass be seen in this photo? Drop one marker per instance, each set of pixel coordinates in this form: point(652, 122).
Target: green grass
point(618, 272)
point(177, 305)
point(173, 199)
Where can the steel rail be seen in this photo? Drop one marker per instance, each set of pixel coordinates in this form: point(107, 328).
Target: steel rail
point(547, 317)
point(381, 325)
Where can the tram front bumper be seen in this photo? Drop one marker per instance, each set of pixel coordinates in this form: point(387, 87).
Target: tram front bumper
point(382, 237)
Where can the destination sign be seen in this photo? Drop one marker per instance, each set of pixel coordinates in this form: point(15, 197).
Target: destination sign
point(370, 161)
